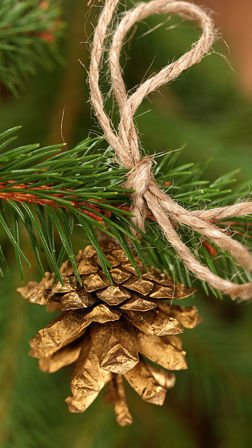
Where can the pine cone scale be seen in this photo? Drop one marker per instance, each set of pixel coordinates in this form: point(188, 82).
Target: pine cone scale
point(137, 303)
point(88, 380)
point(62, 358)
point(114, 295)
point(115, 346)
point(120, 276)
point(162, 353)
point(143, 382)
point(154, 322)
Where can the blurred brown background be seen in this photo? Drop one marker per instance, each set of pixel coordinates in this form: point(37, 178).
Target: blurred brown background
point(234, 18)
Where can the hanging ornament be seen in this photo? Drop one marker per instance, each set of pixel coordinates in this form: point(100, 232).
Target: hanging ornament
point(127, 328)
point(111, 329)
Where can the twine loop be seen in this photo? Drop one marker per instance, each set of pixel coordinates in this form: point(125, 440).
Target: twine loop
point(147, 195)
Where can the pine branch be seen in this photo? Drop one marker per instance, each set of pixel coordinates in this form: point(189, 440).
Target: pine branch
point(78, 180)
point(53, 193)
point(29, 31)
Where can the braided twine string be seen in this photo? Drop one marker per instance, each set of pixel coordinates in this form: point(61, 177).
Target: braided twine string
point(147, 195)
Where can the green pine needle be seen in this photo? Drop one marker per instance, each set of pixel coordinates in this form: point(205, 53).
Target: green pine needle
point(28, 39)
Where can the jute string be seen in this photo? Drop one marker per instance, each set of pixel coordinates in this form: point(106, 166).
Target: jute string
point(147, 195)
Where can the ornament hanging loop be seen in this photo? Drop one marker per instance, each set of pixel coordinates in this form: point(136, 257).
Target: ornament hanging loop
point(125, 142)
point(129, 105)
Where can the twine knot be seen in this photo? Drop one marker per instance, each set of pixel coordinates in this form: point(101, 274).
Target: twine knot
point(139, 179)
point(140, 176)
point(147, 195)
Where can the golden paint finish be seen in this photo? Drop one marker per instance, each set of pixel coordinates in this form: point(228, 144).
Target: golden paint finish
point(144, 383)
point(116, 346)
point(122, 413)
point(154, 322)
point(109, 329)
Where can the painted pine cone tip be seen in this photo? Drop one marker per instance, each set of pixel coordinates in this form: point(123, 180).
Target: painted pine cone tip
point(110, 329)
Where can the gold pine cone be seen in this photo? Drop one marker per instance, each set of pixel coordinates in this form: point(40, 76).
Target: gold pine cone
point(110, 329)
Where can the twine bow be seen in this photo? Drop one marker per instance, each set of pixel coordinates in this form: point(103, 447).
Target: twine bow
point(124, 141)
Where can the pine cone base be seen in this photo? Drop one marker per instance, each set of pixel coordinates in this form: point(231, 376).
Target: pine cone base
point(111, 330)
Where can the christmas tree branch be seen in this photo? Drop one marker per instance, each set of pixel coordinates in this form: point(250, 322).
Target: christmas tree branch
point(51, 192)
point(28, 34)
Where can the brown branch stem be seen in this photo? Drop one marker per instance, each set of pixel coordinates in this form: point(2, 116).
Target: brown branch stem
point(23, 193)
point(13, 193)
